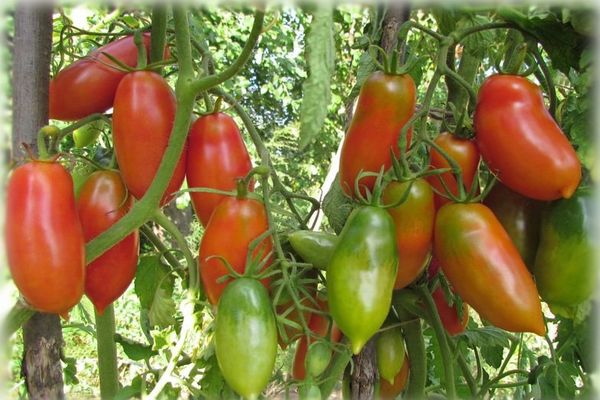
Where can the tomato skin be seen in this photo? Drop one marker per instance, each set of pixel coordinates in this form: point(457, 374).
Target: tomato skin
point(387, 391)
point(385, 104)
point(246, 337)
point(89, 85)
point(521, 142)
point(314, 247)
point(466, 155)
point(102, 201)
point(216, 156)
point(144, 110)
point(45, 246)
point(564, 266)
point(319, 325)
point(485, 268)
point(361, 274)
point(413, 220)
point(235, 223)
point(520, 216)
point(452, 323)
point(391, 354)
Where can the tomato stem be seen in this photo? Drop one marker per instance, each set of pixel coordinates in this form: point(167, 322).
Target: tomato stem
point(107, 353)
point(142, 60)
point(159, 31)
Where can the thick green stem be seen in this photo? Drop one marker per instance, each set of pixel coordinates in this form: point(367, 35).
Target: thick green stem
point(415, 347)
point(442, 338)
point(159, 30)
point(107, 353)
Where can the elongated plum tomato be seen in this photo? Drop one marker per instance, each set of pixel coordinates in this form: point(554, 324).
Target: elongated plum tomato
point(385, 104)
point(216, 156)
point(89, 85)
point(235, 223)
point(466, 155)
point(485, 268)
point(413, 220)
point(246, 337)
point(390, 351)
point(143, 115)
point(320, 325)
point(45, 246)
point(361, 274)
point(453, 323)
point(521, 142)
point(102, 201)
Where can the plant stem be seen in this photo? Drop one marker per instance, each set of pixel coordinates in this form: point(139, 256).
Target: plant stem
point(440, 334)
point(159, 30)
point(107, 353)
point(415, 347)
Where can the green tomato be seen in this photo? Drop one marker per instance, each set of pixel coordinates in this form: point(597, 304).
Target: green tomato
point(317, 358)
point(390, 353)
point(309, 392)
point(314, 247)
point(87, 134)
point(361, 274)
point(564, 269)
point(246, 337)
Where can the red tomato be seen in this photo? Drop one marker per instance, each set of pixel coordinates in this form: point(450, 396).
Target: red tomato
point(466, 155)
point(319, 324)
point(102, 201)
point(89, 85)
point(216, 156)
point(449, 313)
point(485, 268)
point(235, 223)
point(44, 240)
point(521, 142)
point(385, 104)
point(387, 391)
point(143, 116)
point(413, 220)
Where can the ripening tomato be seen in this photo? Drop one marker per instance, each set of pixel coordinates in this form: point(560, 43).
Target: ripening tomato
point(102, 201)
point(89, 85)
point(246, 337)
point(453, 323)
point(216, 157)
point(385, 104)
point(485, 268)
point(45, 246)
point(235, 223)
point(143, 115)
point(466, 155)
point(391, 354)
point(413, 220)
point(361, 274)
point(320, 325)
point(520, 141)
point(389, 392)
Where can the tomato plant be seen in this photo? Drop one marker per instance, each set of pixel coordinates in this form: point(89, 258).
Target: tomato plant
point(144, 110)
point(103, 200)
point(216, 157)
point(246, 337)
point(485, 268)
point(535, 159)
point(385, 103)
point(44, 240)
point(234, 225)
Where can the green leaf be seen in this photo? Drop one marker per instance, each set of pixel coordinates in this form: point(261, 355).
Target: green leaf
point(70, 371)
point(134, 350)
point(492, 355)
point(336, 206)
point(486, 336)
point(154, 288)
point(131, 391)
point(320, 53)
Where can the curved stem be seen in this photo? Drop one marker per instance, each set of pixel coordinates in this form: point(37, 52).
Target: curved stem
point(548, 77)
point(460, 35)
point(442, 338)
point(156, 242)
point(107, 353)
point(485, 388)
point(415, 347)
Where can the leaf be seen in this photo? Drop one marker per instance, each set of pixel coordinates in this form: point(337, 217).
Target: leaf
point(486, 336)
point(562, 43)
point(133, 390)
point(492, 355)
point(320, 53)
point(154, 288)
point(70, 371)
point(336, 206)
point(134, 350)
